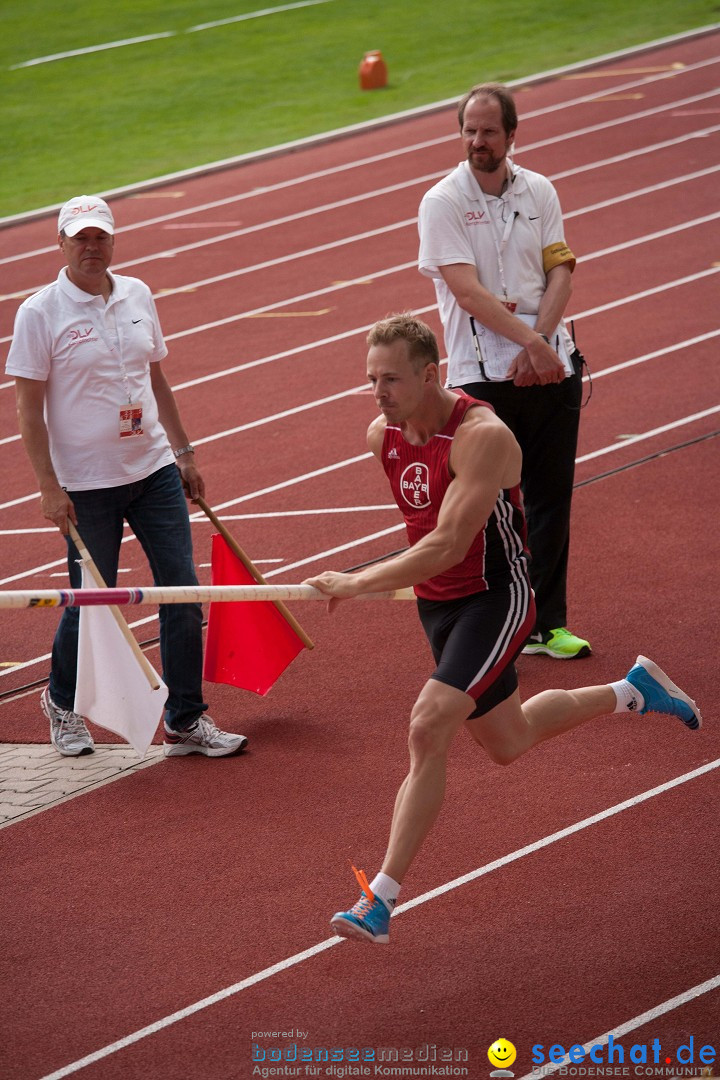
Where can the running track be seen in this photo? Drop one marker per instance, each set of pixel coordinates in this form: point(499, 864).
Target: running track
point(572, 895)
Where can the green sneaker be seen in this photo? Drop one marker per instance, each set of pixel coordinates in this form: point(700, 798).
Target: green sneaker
point(558, 643)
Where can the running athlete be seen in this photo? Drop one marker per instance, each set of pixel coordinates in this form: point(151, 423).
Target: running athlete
point(454, 469)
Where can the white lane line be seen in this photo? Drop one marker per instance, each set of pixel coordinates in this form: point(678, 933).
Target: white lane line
point(293, 481)
point(285, 354)
point(287, 301)
point(330, 245)
point(303, 513)
point(26, 532)
point(639, 151)
point(412, 265)
point(407, 223)
point(675, 347)
point(344, 335)
point(681, 345)
point(256, 192)
point(308, 954)
point(648, 238)
point(92, 49)
point(526, 149)
point(360, 388)
point(308, 513)
point(643, 295)
point(651, 189)
point(164, 34)
point(649, 434)
point(631, 1025)
point(362, 540)
point(190, 1010)
point(358, 541)
point(411, 148)
point(553, 838)
point(198, 515)
point(255, 15)
point(360, 163)
point(33, 571)
point(286, 257)
point(328, 510)
point(283, 415)
point(281, 485)
point(382, 230)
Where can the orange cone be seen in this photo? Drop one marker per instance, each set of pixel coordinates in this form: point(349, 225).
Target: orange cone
point(372, 71)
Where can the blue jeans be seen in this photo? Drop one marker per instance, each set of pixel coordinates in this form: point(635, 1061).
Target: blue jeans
point(156, 510)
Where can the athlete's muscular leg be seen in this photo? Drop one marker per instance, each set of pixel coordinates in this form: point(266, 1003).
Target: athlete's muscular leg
point(506, 732)
point(437, 715)
point(512, 728)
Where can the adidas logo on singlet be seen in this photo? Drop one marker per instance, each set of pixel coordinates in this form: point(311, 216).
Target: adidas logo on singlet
point(393, 453)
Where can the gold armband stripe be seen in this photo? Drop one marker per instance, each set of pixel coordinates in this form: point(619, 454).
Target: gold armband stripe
point(556, 254)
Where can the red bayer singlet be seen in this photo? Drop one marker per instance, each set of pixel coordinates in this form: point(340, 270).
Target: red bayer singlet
point(419, 477)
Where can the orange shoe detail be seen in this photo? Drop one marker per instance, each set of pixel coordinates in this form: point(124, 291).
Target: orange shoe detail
point(363, 883)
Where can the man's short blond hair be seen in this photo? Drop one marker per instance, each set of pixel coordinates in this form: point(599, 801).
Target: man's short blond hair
point(422, 346)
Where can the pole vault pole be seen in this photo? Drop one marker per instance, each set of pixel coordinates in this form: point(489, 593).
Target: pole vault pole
point(181, 594)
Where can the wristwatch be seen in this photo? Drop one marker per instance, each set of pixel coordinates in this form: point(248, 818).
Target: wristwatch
point(184, 450)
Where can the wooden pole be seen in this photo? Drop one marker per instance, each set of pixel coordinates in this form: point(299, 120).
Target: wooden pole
point(117, 614)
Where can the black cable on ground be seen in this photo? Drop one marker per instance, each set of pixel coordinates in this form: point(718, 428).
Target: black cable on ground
point(645, 460)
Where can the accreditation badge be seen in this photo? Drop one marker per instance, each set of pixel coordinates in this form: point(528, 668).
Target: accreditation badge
point(130, 420)
point(511, 305)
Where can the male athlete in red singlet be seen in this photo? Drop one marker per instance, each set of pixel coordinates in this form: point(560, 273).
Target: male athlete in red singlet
point(454, 469)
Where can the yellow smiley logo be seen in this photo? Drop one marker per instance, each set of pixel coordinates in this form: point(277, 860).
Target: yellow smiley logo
point(502, 1054)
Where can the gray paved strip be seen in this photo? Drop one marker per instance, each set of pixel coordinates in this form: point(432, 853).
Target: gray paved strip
point(34, 777)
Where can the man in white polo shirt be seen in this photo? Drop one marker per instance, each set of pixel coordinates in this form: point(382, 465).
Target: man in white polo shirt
point(492, 240)
point(102, 430)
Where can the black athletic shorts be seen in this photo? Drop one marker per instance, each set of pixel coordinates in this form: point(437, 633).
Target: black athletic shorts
point(476, 639)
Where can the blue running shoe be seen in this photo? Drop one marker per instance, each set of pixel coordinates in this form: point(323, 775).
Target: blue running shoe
point(368, 920)
point(662, 695)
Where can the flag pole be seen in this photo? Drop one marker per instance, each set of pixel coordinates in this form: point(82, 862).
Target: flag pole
point(253, 570)
point(117, 614)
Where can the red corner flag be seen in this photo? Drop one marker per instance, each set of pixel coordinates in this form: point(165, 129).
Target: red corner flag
point(249, 643)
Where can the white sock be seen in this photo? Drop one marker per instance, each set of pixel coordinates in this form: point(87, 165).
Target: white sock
point(628, 697)
point(386, 888)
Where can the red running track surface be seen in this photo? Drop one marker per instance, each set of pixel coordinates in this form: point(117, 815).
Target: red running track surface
point(161, 893)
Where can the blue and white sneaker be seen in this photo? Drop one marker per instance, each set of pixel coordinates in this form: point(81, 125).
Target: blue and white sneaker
point(662, 695)
point(368, 920)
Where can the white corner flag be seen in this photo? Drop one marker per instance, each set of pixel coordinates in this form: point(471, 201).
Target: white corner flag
point(112, 689)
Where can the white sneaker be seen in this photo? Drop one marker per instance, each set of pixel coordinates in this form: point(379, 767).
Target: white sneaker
point(204, 738)
point(68, 732)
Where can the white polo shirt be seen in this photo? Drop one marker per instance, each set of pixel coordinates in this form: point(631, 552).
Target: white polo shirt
point(460, 224)
point(93, 356)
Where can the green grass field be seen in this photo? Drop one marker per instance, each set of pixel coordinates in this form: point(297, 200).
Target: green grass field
point(101, 120)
